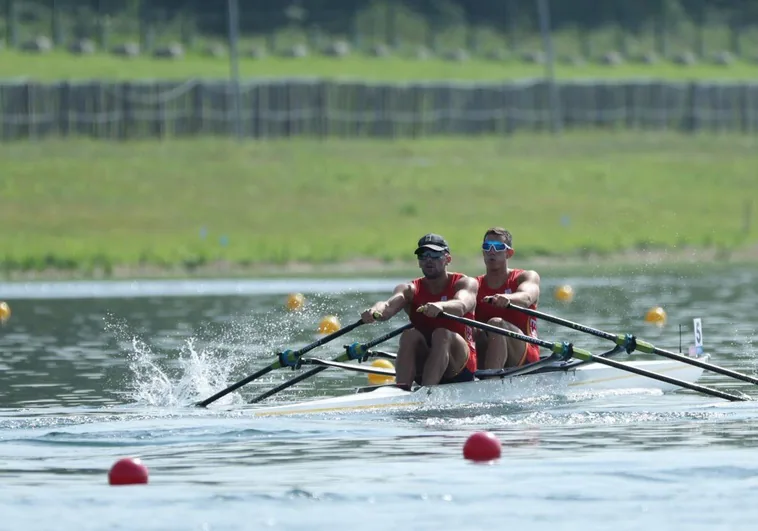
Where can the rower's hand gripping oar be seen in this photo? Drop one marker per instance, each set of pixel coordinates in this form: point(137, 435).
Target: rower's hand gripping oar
point(287, 358)
point(354, 351)
point(563, 351)
point(631, 343)
point(588, 356)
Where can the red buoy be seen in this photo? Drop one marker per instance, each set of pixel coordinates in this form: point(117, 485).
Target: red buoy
point(128, 471)
point(482, 446)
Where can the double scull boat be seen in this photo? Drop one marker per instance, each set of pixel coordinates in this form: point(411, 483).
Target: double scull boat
point(559, 379)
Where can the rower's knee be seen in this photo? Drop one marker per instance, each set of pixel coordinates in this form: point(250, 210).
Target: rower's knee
point(411, 335)
point(497, 321)
point(442, 335)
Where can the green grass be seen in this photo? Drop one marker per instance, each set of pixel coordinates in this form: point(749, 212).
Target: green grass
point(63, 66)
point(79, 204)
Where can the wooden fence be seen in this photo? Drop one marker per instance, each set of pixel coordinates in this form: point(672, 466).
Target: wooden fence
point(284, 108)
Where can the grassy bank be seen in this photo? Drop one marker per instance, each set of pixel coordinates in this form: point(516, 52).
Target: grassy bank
point(80, 205)
point(58, 66)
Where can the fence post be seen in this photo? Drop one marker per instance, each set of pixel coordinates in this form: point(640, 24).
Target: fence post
point(547, 41)
point(234, 26)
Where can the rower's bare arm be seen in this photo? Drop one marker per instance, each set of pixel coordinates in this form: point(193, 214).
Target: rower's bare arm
point(384, 310)
point(464, 299)
point(528, 291)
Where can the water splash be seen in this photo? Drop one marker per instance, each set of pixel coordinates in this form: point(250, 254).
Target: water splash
point(171, 371)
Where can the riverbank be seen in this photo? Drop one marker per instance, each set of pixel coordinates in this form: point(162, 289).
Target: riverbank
point(61, 66)
point(89, 208)
point(621, 263)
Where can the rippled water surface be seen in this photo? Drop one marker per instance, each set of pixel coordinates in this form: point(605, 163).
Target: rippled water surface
point(92, 372)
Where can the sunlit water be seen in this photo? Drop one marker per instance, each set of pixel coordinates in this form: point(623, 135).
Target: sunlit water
point(94, 372)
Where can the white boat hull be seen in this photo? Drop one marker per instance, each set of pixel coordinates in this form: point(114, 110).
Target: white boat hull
point(589, 377)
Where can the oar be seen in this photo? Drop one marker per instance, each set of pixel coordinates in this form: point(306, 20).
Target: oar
point(534, 366)
point(588, 356)
point(352, 352)
point(288, 358)
point(632, 343)
point(324, 364)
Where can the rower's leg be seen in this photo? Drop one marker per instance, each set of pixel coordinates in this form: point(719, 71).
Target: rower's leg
point(481, 339)
point(412, 347)
point(447, 356)
point(503, 351)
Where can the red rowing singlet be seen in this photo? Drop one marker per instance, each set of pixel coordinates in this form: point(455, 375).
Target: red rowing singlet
point(426, 325)
point(486, 311)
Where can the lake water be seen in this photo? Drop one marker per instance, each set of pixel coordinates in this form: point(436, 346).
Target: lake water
point(91, 372)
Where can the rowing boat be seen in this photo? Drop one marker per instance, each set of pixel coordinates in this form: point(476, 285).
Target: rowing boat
point(558, 379)
point(566, 371)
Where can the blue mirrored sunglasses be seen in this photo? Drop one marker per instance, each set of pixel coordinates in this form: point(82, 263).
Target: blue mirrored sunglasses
point(494, 246)
point(430, 255)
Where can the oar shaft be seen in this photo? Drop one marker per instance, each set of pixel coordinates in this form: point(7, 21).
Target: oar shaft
point(642, 346)
point(237, 385)
point(288, 383)
point(349, 367)
point(566, 323)
point(330, 337)
point(498, 330)
point(342, 357)
point(387, 336)
point(660, 377)
point(276, 365)
point(697, 363)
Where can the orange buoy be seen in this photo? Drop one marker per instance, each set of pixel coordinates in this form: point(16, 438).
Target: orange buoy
point(656, 316)
point(564, 293)
point(329, 325)
point(5, 312)
point(381, 379)
point(295, 301)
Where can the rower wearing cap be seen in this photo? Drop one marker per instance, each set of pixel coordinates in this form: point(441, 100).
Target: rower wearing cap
point(436, 350)
point(498, 288)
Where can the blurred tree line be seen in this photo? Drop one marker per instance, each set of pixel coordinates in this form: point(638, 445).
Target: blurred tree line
point(271, 15)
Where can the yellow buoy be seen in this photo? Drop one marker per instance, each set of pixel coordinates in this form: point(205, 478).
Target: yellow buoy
point(329, 325)
point(564, 293)
point(5, 312)
point(295, 301)
point(656, 316)
point(381, 379)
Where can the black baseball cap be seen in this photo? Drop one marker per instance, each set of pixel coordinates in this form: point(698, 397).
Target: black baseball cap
point(434, 242)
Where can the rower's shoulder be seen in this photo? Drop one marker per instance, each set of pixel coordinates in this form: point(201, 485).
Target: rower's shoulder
point(467, 281)
point(528, 275)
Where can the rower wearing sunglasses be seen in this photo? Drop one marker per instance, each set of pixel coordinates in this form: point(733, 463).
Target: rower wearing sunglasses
point(498, 288)
point(435, 350)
